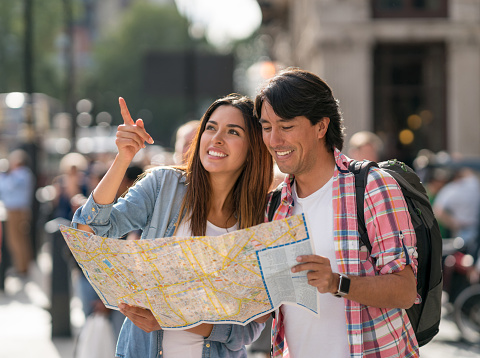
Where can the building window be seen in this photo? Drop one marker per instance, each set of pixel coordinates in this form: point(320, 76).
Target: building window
point(409, 8)
point(409, 98)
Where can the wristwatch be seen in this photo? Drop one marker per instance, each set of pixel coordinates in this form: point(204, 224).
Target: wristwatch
point(343, 286)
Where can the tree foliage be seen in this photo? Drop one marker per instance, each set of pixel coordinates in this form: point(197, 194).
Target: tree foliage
point(46, 26)
point(119, 67)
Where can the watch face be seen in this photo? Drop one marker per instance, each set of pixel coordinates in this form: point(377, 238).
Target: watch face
point(344, 285)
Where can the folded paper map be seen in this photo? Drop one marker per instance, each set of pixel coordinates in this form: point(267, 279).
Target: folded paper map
point(185, 281)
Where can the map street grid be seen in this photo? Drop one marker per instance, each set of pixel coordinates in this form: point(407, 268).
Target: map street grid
point(185, 281)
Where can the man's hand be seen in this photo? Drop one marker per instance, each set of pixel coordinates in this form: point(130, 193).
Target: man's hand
point(319, 273)
point(393, 290)
point(131, 136)
point(142, 318)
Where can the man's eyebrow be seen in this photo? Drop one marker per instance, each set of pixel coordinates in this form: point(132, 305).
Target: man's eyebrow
point(281, 120)
point(231, 125)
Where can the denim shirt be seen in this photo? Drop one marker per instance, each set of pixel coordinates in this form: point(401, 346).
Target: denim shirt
point(153, 205)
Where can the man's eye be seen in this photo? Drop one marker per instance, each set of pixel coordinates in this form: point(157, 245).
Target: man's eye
point(266, 129)
point(287, 128)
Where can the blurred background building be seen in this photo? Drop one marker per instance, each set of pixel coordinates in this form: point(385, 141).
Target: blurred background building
point(409, 70)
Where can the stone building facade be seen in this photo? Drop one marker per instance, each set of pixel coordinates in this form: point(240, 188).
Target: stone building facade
point(407, 69)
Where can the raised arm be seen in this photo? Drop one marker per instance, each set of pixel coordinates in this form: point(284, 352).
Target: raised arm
point(131, 137)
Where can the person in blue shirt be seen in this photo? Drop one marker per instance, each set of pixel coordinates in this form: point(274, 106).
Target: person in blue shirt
point(16, 192)
point(222, 188)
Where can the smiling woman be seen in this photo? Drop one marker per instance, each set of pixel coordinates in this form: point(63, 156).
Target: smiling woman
point(222, 187)
point(223, 21)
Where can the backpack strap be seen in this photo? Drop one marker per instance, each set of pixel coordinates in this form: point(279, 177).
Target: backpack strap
point(360, 169)
point(274, 203)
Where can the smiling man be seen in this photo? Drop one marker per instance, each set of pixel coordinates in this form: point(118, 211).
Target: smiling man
point(362, 297)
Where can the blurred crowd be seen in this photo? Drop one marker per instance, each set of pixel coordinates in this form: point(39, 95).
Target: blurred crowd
point(452, 183)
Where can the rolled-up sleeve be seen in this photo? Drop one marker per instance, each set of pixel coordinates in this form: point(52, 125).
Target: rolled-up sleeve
point(388, 222)
point(92, 213)
point(127, 214)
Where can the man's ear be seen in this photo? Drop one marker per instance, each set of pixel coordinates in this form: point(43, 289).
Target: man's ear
point(322, 127)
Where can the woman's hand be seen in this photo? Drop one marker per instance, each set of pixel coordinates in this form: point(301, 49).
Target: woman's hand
point(142, 318)
point(145, 320)
point(131, 136)
point(262, 319)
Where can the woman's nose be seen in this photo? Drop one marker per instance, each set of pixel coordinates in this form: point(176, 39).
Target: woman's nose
point(218, 137)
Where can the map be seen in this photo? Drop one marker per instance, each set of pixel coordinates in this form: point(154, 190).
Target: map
point(185, 281)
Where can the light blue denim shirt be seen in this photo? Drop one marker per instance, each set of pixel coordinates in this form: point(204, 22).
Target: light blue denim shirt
point(153, 205)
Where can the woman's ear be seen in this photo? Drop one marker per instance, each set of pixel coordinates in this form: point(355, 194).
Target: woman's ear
point(322, 127)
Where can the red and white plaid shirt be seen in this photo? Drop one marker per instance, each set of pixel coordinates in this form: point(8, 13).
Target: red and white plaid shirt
point(372, 332)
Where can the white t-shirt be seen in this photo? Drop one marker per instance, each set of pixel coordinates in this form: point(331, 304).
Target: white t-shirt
point(183, 344)
point(307, 335)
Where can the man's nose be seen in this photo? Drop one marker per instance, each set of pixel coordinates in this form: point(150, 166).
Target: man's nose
point(275, 138)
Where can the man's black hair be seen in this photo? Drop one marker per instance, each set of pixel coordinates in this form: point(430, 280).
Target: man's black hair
point(294, 92)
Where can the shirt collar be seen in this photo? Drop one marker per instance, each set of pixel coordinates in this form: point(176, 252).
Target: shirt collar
point(341, 166)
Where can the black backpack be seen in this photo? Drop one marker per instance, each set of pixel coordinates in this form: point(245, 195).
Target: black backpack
point(424, 317)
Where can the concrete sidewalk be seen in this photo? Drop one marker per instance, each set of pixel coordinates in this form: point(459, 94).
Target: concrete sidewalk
point(25, 321)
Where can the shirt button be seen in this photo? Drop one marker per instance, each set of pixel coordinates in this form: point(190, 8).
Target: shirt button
point(161, 352)
point(93, 209)
point(89, 217)
point(208, 345)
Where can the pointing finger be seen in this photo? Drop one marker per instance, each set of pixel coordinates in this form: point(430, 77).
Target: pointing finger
point(127, 118)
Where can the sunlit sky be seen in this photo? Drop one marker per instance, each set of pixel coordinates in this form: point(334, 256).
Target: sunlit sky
point(223, 20)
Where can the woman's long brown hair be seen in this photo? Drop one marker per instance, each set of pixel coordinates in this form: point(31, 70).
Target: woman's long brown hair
point(248, 195)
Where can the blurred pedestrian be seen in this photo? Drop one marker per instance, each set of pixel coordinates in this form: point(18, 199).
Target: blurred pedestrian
point(185, 134)
point(365, 145)
point(16, 192)
point(71, 182)
point(457, 206)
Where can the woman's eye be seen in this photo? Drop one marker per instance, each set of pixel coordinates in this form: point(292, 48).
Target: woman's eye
point(233, 131)
point(209, 127)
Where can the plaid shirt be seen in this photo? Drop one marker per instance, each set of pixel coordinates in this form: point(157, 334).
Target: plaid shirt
point(372, 332)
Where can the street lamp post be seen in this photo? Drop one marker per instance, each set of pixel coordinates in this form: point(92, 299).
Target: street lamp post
point(29, 140)
point(69, 67)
